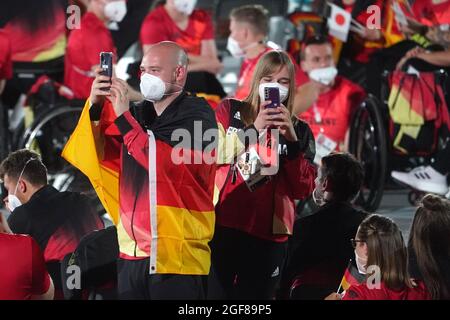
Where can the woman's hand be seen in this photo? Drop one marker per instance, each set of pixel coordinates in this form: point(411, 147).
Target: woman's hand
point(119, 96)
point(265, 116)
point(283, 121)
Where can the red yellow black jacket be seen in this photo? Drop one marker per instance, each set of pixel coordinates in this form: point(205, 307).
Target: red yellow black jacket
point(166, 207)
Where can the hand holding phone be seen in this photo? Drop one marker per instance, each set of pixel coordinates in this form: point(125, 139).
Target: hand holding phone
point(106, 63)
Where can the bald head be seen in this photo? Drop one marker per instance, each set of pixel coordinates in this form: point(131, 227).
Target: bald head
point(169, 51)
point(166, 60)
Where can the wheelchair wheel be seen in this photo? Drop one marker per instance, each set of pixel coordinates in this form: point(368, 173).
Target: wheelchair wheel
point(48, 136)
point(368, 144)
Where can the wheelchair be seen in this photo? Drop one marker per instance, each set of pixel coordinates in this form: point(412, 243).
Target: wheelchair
point(45, 127)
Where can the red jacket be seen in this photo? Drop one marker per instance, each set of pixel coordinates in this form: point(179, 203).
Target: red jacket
point(335, 108)
point(268, 211)
point(362, 292)
point(23, 268)
point(83, 52)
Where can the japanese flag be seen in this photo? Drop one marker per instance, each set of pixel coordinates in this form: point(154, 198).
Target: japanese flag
point(339, 22)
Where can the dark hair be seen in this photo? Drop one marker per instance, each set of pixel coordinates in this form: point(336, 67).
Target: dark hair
point(35, 171)
point(313, 40)
point(430, 240)
point(344, 174)
point(255, 15)
point(386, 249)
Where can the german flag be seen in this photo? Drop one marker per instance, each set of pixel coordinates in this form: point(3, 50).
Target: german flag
point(351, 277)
point(85, 152)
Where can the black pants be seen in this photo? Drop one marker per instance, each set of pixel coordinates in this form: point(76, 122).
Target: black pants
point(243, 266)
point(442, 163)
point(135, 283)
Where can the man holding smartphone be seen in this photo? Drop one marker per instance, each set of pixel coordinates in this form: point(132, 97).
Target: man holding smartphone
point(166, 208)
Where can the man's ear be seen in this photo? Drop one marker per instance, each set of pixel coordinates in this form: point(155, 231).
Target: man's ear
point(22, 186)
point(180, 73)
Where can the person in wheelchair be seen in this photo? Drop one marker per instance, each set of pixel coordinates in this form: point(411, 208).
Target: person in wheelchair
point(56, 220)
point(86, 43)
point(363, 43)
point(326, 102)
point(193, 30)
point(431, 178)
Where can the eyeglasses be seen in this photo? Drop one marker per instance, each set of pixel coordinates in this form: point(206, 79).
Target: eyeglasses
point(354, 242)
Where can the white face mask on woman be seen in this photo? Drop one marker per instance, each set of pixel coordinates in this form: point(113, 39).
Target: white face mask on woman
point(153, 88)
point(115, 11)
point(360, 263)
point(284, 92)
point(185, 6)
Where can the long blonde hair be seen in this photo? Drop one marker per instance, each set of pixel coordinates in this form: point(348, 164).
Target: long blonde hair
point(268, 64)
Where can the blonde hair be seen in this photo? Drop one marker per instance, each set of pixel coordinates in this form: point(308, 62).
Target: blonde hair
point(270, 63)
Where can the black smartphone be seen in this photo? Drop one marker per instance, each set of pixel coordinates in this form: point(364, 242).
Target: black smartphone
point(272, 94)
point(106, 63)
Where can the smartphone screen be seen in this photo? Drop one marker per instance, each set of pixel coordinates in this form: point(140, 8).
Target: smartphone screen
point(106, 63)
point(272, 94)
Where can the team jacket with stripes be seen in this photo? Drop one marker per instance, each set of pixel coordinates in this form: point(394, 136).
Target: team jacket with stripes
point(268, 211)
point(166, 208)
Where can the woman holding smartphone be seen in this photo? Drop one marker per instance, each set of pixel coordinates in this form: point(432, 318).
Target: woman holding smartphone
point(255, 208)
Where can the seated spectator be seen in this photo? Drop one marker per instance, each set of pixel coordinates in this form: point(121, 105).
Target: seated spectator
point(326, 102)
point(380, 253)
point(192, 29)
point(356, 52)
point(429, 246)
point(432, 178)
point(321, 247)
point(249, 27)
point(86, 43)
point(23, 275)
point(56, 220)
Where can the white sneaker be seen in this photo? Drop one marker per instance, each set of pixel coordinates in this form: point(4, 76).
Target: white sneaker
point(448, 194)
point(424, 179)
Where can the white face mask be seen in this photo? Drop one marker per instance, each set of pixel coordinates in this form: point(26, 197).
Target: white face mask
point(115, 11)
point(13, 201)
point(361, 263)
point(153, 88)
point(324, 75)
point(185, 6)
point(284, 92)
point(235, 50)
